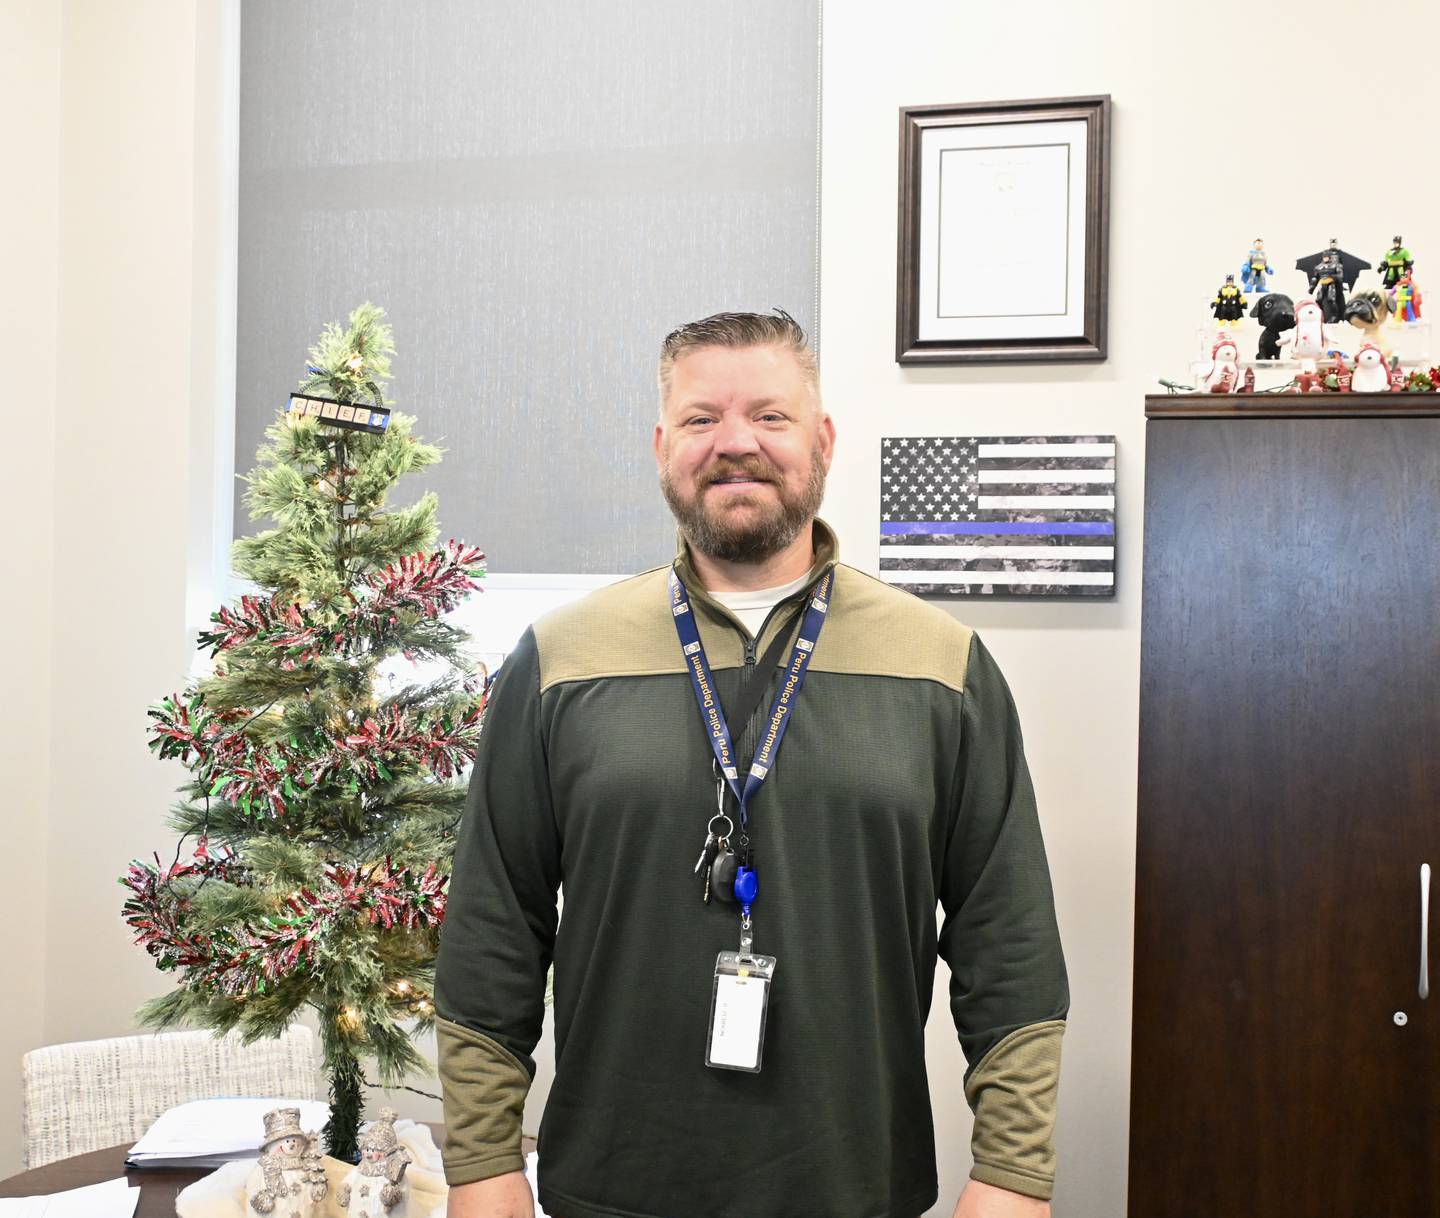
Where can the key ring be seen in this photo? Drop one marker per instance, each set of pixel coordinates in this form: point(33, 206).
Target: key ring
point(730, 825)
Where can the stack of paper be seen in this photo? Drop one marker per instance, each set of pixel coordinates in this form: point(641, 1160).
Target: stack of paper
point(207, 1133)
point(112, 1199)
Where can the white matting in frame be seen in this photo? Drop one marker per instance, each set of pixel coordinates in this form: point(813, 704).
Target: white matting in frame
point(1002, 231)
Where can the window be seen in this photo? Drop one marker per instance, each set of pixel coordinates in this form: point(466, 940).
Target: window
point(536, 194)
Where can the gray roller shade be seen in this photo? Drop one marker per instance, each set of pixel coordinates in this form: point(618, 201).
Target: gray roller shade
point(536, 194)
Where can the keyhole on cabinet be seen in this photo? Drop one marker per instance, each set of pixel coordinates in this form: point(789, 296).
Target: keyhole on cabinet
point(1401, 1019)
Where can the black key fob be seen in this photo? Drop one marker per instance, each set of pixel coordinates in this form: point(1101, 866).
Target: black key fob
point(722, 876)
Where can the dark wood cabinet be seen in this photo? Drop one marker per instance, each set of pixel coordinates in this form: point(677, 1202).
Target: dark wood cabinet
point(1284, 1063)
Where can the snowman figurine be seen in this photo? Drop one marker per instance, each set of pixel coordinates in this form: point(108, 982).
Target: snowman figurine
point(375, 1188)
point(289, 1180)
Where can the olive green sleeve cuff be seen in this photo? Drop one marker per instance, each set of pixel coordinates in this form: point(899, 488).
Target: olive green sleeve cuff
point(1012, 1093)
point(484, 1088)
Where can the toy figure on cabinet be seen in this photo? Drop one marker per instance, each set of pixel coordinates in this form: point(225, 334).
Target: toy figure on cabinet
point(1229, 303)
point(1367, 311)
point(1276, 313)
point(1222, 374)
point(1405, 299)
point(1396, 262)
point(1308, 341)
point(1255, 268)
point(1332, 273)
point(1371, 374)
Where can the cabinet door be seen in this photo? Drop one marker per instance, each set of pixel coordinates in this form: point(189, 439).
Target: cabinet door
point(1284, 1064)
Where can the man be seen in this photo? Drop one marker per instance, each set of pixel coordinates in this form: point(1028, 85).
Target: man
point(888, 777)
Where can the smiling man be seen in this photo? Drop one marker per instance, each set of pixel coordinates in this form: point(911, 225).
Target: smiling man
point(757, 772)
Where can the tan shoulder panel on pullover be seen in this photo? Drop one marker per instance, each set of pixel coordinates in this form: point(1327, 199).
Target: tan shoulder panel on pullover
point(623, 630)
point(879, 630)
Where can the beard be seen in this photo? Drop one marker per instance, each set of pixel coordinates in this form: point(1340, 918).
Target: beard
point(753, 538)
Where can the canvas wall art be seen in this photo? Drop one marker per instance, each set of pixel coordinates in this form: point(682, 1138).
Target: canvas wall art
point(998, 515)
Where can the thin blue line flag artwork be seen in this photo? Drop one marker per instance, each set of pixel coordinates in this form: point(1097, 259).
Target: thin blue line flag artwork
point(998, 515)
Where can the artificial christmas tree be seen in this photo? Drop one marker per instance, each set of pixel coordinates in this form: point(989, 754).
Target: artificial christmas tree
point(323, 793)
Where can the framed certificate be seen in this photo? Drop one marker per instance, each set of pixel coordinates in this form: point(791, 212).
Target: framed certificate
point(1004, 231)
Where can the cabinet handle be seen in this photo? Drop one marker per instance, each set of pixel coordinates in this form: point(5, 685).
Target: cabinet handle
point(1424, 930)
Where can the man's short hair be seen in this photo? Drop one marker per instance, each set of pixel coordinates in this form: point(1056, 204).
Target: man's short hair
point(738, 330)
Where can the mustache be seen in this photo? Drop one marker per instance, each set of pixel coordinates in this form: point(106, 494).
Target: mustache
point(757, 470)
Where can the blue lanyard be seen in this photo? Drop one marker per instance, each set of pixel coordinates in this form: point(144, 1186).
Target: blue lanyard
point(780, 710)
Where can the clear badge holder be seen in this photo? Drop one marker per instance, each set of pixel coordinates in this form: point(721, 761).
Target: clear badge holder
point(738, 1007)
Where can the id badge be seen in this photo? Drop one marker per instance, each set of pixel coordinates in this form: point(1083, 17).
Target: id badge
point(738, 1005)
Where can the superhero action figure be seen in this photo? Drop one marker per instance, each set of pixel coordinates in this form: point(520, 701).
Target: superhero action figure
point(1229, 303)
point(1255, 268)
point(1397, 262)
point(1332, 273)
point(1405, 300)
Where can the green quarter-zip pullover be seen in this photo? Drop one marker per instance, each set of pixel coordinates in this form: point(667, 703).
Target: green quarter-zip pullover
point(900, 787)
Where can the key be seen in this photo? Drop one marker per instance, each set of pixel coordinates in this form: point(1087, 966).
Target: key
point(707, 854)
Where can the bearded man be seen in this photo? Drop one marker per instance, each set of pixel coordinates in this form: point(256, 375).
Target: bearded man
point(756, 772)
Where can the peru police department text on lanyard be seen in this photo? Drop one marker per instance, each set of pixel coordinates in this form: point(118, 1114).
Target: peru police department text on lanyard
point(742, 979)
point(700, 677)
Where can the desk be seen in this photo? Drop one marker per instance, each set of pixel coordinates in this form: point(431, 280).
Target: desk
point(158, 1186)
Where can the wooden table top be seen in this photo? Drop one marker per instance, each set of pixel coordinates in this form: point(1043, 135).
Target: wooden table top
point(158, 1186)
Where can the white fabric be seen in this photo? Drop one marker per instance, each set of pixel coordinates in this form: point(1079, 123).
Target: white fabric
point(92, 1094)
point(221, 1194)
point(532, 1173)
point(753, 607)
point(109, 1199)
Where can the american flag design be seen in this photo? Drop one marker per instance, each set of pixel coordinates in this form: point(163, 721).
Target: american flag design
point(998, 515)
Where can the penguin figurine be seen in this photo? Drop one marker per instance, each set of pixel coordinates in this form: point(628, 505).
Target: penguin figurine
point(1307, 344)
point(1371, 375)
point(1222, 375)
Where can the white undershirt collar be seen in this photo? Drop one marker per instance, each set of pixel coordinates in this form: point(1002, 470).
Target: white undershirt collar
point(752, 608)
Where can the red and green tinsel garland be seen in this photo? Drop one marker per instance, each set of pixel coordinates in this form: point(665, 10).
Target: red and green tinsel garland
point(246, 959)
point(260, 778)
point(428, 585)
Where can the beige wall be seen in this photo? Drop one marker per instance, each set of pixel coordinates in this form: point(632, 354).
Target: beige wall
point(126, 226)
point(29, 240)
point(118, 288)
point(1205, 158)
point(98, 258)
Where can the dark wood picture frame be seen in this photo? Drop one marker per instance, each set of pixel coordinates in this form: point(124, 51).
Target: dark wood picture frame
point(1087, 346)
